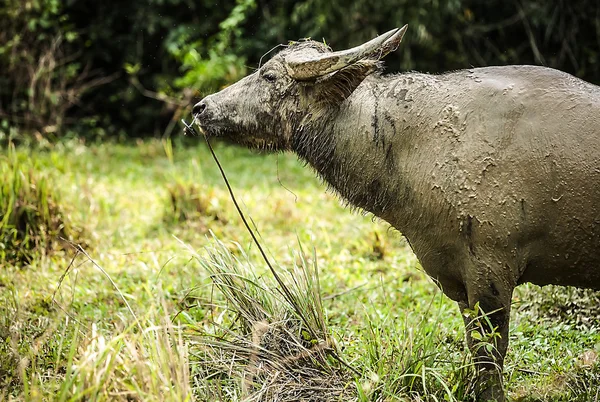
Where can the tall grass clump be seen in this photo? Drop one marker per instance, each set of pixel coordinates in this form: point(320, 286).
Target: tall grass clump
point(32, 220)
point(190, 202)
point(265, 337)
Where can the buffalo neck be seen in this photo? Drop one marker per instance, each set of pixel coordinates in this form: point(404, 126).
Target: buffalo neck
point(361, 149)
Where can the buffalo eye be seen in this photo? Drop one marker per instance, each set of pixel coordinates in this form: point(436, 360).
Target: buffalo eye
point(269, 77)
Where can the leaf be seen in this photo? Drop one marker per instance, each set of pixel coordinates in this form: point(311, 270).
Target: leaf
point(132, 69)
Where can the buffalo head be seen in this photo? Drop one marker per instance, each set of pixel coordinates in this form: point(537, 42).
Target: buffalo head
point(301, 85)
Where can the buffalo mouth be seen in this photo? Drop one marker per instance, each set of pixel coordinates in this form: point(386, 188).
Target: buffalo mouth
point(245, 140)
point(253, 142)
point(260, 144)
point(213, 129)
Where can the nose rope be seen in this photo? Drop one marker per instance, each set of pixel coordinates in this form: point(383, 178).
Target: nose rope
point(189, 128)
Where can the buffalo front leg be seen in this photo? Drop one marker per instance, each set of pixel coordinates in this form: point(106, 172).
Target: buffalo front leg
point(486, 316)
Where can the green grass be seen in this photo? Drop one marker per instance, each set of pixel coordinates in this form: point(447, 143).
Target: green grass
point(32, 220)
point(138, 317)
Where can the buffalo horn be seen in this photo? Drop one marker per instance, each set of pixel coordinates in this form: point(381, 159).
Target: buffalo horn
point(301, 67)
point(390, 45)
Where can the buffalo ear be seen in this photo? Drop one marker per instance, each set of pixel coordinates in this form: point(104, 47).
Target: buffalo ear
point(336, 87)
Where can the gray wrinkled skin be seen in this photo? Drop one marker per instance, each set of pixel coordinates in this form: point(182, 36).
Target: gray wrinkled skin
point(492, 174)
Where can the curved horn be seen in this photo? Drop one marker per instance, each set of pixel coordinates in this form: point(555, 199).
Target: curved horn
point(300, 67)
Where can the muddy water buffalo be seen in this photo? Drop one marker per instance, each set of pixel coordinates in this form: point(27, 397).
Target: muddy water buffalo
point(492, 174)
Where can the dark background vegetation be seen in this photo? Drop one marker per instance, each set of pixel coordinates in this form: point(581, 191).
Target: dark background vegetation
point(132, 68)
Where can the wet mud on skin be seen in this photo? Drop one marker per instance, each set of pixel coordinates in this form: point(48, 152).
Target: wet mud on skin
point(492, 174)
point(435, 132)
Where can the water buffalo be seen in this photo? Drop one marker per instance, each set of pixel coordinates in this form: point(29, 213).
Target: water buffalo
point(492, 174)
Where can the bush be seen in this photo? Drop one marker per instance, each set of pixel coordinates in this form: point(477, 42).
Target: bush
point(32, 221)
point(42, 74)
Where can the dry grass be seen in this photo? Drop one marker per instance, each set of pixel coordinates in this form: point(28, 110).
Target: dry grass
point(152, 365)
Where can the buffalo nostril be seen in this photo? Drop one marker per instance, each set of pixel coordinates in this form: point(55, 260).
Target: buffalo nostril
point(199, 108)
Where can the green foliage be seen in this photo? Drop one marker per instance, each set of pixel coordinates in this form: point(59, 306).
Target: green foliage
point(32, 221)
point(41, 73)
point(219, 65)
point(131, 70)
point(161, 53)
point(446, 35)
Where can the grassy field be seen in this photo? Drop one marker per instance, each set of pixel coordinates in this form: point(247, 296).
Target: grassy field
point(146, 308)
